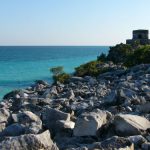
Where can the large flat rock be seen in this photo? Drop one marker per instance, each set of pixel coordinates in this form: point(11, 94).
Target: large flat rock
point(29, 142)
point(50, 117)
point(31, 122)
point(126, 125)
point(87, 124)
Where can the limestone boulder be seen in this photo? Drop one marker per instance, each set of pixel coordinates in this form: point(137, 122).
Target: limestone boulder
point(127, 125)
point(61, 124)
point(29, 142)
point(113, 143)
point(72, 142)
point(70, 95)
point(50, 116)
point(145, 108)
point(13, 130)
point(111, 97)
point(2, 126)
point(87, 124)
point(50, 93)
point(31, 122)
point(4, 115)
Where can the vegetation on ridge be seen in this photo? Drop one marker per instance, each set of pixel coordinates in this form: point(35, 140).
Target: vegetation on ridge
point(119, 53)
point(59, 75)
point(90, 69)
point(127, 55)
point(139, 56)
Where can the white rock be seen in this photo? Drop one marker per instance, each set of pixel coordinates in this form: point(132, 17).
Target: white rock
point(4, 115)
point(126, 125)
point(65, 124)
point(29, 141)
point(17, 96)
point(23, 95)
point(29, 120)
point(87, 124)
point(51, 116)
point(71, 95)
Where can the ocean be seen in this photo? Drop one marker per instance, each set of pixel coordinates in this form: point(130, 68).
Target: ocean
point(20, 66)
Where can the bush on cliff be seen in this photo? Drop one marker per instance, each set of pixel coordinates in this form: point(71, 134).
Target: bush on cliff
point(140, 56)
point(90, 69)
point(62, 78)
point(119, 53)
point(129, 55)
point(102, 57)
point(59, 75)
point(57, 70)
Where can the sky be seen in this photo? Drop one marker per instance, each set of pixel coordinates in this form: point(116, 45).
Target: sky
point(71, 22)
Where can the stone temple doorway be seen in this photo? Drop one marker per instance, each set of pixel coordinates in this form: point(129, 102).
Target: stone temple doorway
point(139, 36)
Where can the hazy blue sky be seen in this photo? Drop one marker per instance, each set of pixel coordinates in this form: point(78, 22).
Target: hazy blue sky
point(71, 22)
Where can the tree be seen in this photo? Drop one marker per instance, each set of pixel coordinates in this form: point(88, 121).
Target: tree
point(102, 57)
point(119, 53)
point(90, 69)
point(59, 75)
point(57, 70)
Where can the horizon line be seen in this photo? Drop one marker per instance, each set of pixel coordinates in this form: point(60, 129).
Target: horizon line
point(50, 45)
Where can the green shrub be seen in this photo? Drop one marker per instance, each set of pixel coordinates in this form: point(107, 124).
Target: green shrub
point(90, 69)
point(129, 55)
point(119, 53)
point(57, 70)
point(59, 74)
point(102, 57)
point(62, 78)
point(139, 56)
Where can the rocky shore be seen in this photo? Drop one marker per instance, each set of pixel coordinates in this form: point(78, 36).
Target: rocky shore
point(109, 112)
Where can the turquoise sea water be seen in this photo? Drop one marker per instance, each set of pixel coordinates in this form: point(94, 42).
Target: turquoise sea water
point(21, 66)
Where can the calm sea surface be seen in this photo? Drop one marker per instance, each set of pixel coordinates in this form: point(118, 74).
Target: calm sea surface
point(21, 66)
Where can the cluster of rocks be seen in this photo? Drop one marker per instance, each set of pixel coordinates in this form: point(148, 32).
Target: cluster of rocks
point(108, 112)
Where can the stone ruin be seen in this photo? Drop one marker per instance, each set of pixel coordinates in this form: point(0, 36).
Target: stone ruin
point(139, 36)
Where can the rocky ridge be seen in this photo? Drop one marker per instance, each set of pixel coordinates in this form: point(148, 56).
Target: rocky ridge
point(111, 111)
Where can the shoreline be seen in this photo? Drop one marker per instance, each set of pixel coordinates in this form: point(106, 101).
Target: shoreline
point(37, 67)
